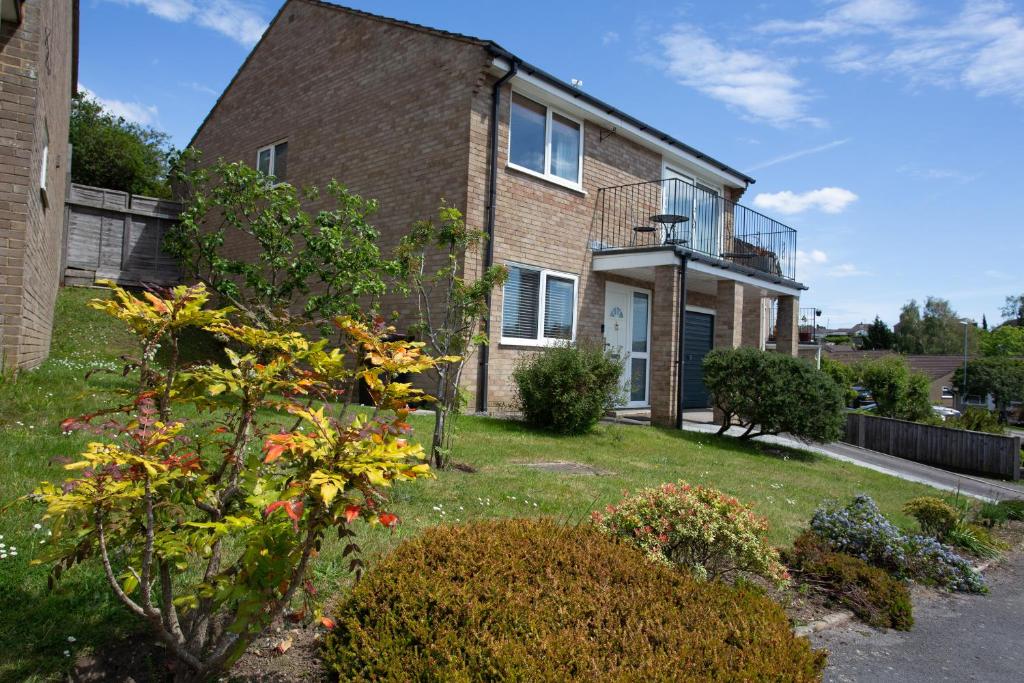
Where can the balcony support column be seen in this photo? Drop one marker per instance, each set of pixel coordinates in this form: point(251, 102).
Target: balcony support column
point(729, 315)
point(787, 335)
point(753, 318)
point(664, 345)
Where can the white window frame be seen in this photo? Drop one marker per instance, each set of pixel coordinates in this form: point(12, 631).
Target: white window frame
point(44, 166)
point(540, 339)
point(273, 158)
point(547, 174)
point(698, 181)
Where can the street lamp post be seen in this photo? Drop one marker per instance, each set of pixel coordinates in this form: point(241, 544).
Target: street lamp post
point(963, 403)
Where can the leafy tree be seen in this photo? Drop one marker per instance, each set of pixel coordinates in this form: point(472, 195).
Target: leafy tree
point(1000, 377)
point(909, 332)
point(843, 375)
point(984, 323)
point(1013, 309)
point(898, 391)
point(1005, 340)
point(110, 152)
point(304, 270)
point(208, 532)
point(879, 336)
point(772, 393)
point(449, 309)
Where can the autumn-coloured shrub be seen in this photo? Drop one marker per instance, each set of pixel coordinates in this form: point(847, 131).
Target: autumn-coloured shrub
point(701, 529)
point(531, 600)
point(875, 597)
point(207, 529)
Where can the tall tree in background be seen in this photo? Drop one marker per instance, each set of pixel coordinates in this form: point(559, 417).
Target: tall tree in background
point(935, 330)
point(879, 336)
point(909, 331)
point(1013, 309)
point(110, 152)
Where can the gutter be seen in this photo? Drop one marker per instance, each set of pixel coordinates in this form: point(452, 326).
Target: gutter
point(681, 344)
point(492, 193)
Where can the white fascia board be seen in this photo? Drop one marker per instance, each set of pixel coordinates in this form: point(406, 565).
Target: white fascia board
point(643, 259)
point(728, 274)
point(671, 155)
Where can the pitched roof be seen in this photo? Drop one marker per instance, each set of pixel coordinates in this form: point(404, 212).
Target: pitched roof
point(498, 51)
point(935, 367)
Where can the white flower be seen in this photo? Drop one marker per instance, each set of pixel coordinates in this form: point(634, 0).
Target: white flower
point(3, 556)
point(67, 653)
point(14, 553)
point(71, 639)
point(37, 526)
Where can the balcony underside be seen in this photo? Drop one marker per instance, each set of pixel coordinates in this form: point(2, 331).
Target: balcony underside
point(703, 271)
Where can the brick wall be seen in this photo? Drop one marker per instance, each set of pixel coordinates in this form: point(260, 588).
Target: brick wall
point(35, 92)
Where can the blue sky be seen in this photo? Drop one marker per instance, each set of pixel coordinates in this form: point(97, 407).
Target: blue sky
point(888, 132)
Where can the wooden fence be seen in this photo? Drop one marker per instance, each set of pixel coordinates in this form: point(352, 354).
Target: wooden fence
point(114, 235)
point(952, 449)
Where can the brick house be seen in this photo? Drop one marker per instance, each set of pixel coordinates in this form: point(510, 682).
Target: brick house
point(609, 227)
point(38, 76)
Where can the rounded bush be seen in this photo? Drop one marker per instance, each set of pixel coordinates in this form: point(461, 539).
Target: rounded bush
point(701, 529)
point(567, 388)
point(936, 517)
point(532, 600)
point(875, 597)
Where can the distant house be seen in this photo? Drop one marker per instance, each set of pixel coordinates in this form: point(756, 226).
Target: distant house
point(610, 229)
point(38, 76)
point(939, 369)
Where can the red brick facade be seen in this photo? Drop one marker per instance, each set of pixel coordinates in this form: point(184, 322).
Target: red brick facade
point(37, 63)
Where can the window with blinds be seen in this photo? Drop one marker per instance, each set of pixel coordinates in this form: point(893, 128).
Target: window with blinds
point(538, 306)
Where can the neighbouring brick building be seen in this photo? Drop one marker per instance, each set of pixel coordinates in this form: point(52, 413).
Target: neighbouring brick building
point(609, 227)
point(38, 76)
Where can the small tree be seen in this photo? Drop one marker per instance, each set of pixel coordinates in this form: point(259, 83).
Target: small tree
point(898, 391)
point(1000, 377)
point(304, 270)
point(843, 375)
point(1005, 340)
point(449, 308)
point(879, 336)
point(772, 393)
point(117, 154)
point(1013, 309)
point(209, 538)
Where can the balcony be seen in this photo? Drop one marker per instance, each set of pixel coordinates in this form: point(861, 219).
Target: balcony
point(807, 324)
point(678, 214)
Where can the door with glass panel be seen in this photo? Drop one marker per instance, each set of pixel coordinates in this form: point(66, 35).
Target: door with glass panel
point(684, 196)
point(627, 332)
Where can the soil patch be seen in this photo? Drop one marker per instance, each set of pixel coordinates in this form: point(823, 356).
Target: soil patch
point(567, 467)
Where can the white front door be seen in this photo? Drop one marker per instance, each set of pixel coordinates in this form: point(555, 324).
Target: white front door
point(627, 332)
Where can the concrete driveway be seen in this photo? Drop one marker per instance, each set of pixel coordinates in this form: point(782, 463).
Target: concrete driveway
point(955, 637)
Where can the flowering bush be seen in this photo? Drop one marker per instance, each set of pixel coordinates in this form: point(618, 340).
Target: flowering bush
point(861, 530)
point(208, 534)
point(936, 517)
point(707, 532)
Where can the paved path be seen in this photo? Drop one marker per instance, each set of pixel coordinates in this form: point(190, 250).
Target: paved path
point(955, 637)
point(977, 487)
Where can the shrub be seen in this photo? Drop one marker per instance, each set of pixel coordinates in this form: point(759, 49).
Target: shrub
point(843, 375)
point(531, 600)
point(771, 393)
point(976, 420)
point(976, 540)
point(207, 532)
point(936, 517)
point(899, 392)
point(568, 387)
point(875, 597)
point(708, 533)
point(997, 513)
point(861, 530)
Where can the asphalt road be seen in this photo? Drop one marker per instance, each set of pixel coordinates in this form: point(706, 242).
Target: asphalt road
point(955, 637)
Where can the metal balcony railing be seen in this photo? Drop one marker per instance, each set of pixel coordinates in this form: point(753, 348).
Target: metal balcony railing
point(643, 215)
point(807, 324)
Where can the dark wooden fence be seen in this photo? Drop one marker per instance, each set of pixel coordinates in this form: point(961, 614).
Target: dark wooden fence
point(952, 449)
point(117, 236)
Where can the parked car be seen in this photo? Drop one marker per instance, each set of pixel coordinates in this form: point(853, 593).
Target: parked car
point(945, 413)
point(863, 399)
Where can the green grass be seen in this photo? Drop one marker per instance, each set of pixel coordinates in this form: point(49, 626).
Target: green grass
point(784, 485)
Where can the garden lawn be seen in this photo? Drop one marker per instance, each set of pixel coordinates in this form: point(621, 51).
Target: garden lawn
point(36, 623)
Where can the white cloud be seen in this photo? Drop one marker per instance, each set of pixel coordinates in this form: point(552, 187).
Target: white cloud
point(847, 270)
point(199, 87)
point(233, 18)
point(813, 264)
point(827, 199)
point(609, 37)
point(980, 49)
point(136, 112)
point(937, 174)
point(758, 86)
point(808, 258)
point(799, 153)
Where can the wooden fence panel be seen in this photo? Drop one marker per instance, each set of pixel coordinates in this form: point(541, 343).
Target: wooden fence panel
point(952, 449)
point(114, 235)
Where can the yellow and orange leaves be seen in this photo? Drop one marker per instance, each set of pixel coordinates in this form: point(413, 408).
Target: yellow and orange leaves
point(151, 316)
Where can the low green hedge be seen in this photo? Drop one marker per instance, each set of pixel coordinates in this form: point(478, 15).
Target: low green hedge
point(875, 597)
point(531, 600)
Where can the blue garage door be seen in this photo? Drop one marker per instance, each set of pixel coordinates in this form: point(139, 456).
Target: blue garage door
point(700, 330)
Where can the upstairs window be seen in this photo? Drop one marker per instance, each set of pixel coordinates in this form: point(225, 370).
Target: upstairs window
point(545, 142)
point(272, 160)
point(539, 306)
